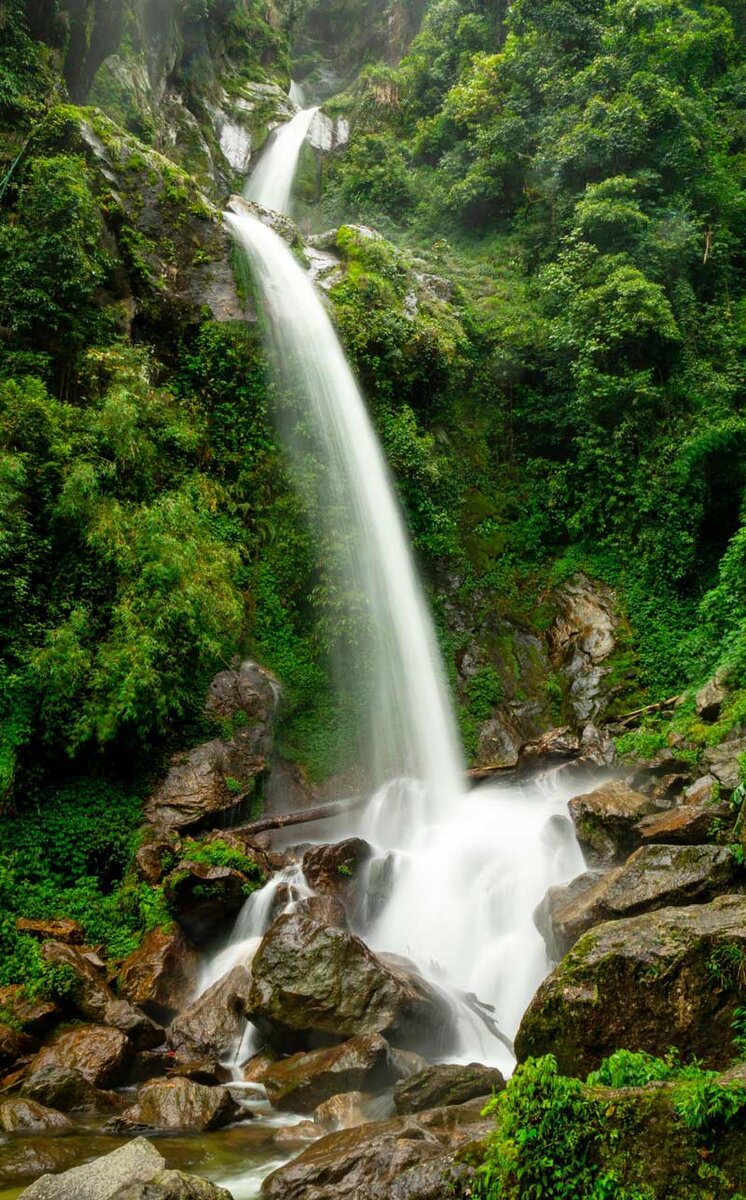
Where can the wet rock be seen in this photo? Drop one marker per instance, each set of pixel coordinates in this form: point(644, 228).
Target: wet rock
point(177, 1104)
point(161, 975)
point(33, 1016)
point(150, 1064)
point(554, 746)
point(25, 1158)
point(61, 930)
point(605, 821)
point(343, 1111)
point(95, 1000)
point(251, 693)
point(205, 1072)
point(15, 1045)
point(19, 1115)
point(702, 791)
point(66, 1089)
point(653, 877)
point(154, 860)
point(254, 1070)
point(291, 1137)
point(203, 897)
point(331, 869)
point(308, 976)
point(724, 762)
point(710, 698)
point(405, 1158)
point(326, 910)
point(646, 983)
point(214, 781)
point(581, 639)
point(303, 1081)
point(135, 1170)
point(212, 1026)
point(445, 1084)
point(98, 1052)
point(688, 825)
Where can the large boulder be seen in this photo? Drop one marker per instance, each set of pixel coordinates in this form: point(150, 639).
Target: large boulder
point(331, 869)
point(15, 1045)
point(18, 1115)
point(98, 1052)
point(303, 1081)
point(161, 975)
point(446, 1084)
point(687, 825)
point(405, 1158)
point(219, 779)
point(31, 1015)
point(666, 978)
point(653, 877)
point(212, 1026)
point(61, 929)
point(605, 821)
point(66, 1089)
point(313, 978)
point(724, 762)
point(135, 1171)
point(96, 1001)
point(177, 1104)
point(711, 698)
point(203, 898)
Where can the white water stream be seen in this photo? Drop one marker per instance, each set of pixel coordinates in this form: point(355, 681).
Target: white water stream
point(465, 870)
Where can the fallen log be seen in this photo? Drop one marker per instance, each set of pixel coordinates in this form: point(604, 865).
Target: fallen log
point(661, 706)
point(322, 812)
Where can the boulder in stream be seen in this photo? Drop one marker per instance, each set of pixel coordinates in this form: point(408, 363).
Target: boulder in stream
point(446, 1084)
point(161, 975)
point(65, 1089)
point(605, 821)
point(176, 1104)
point(97, 1052)
point(212, 1026)
point(303, 1081)
point(136, 1171)
point(19, 1115)
point(313, 978)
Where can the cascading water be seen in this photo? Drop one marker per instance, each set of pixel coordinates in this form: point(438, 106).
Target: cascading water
point(466, 869)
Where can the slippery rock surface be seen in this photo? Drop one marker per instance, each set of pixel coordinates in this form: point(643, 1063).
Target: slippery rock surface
point(177, 1104)
point(32, 1015)
point(605, 821)
point(97, 1052)
point(135, 1172)
point(161, 975)
point(666, 978)
point(305, 1080)
point(308, 976)
point(96, 1001)
point(653, 877)
point(687, 825)
point(343, 1111)
point(331, 869)
point(20, 1115)
point(406, 1158)
point(445, 1084)
point(66, 1089)
point(203, 897)
point(212, 1026)
point(582, 639)
point(14, 1046)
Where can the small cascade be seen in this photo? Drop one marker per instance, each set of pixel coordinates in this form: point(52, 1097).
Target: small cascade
point(272, 181)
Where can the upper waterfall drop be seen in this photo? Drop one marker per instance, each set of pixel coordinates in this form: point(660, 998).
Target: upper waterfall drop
point(412, 727)
point(272, 181)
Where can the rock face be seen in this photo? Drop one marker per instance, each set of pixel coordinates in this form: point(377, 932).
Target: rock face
point(724, 762)
point(710, 699)
point(135, 1171)
point(312, 977)
point(305, 1080)
point(177, 1104)
point(211, 1027)
point(448, 1083)
point(667, 978)
point(581, 639)
point(406, 1158)
point(65, 1089)
point(20, 1115)
point(161, 975)
point(97, 1052)
point(653, 877)
point(605, 821)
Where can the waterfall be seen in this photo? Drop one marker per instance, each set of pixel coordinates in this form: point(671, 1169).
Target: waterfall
point(272, 181)
point(464, 870)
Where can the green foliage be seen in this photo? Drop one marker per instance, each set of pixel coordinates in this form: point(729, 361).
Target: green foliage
point(220, 854)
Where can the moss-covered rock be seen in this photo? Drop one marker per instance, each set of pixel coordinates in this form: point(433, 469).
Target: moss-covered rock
point(672, 977)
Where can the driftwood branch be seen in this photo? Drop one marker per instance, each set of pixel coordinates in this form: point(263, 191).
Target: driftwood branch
point(280, 820)
point(632, 717)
